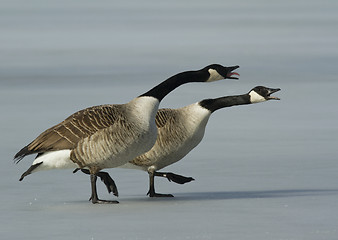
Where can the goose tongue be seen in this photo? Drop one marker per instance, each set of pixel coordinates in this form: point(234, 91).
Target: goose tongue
point(231, 74)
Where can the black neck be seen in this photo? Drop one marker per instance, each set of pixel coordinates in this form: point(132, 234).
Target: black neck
point(222, 102)
point(164, 88)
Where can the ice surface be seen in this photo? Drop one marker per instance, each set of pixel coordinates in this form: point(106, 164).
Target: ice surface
point(265, 171)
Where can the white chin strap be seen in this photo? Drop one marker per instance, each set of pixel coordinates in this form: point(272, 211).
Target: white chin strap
point(255, 97)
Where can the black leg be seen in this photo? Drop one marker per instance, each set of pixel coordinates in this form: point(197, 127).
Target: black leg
point(94, 196)
point(105, 178)
point(174, 177)
point(151, 191)
point(109, 182)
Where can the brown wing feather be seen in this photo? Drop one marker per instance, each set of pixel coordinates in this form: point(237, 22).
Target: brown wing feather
point(68, 133)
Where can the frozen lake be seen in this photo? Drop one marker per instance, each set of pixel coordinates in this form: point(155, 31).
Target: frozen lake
point(264, 171)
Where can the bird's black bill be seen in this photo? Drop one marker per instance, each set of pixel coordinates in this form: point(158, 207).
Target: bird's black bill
point(271, 91)
point(231, 74)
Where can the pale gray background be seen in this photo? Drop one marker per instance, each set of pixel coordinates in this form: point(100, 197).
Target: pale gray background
point(266, 171)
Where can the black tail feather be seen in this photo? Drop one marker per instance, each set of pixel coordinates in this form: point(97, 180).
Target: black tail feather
point(29, 171)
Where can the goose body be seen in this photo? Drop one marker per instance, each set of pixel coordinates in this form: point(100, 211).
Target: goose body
point(94, 139)
point(109, 136)
point(181, 130)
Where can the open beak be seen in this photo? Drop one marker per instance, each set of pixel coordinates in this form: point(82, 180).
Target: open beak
point(271, 91)
point(231, 74)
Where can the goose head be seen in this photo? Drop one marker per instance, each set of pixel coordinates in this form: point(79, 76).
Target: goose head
point(261, 94)
point(217, 72)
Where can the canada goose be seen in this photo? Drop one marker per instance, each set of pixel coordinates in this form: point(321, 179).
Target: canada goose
point(109, 136)
point(181, 130)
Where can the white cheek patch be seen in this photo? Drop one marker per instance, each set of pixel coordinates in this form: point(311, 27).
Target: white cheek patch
point(255, 97)
point(214, 76)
